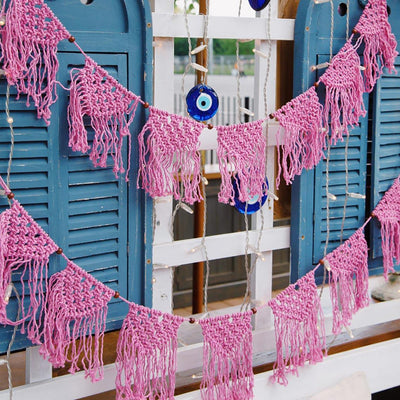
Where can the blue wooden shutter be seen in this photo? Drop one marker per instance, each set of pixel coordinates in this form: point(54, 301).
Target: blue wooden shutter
point(100, 221)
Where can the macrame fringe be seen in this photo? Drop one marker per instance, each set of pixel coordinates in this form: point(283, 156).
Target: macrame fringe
point(146, 355)
point(348, 295)
point(300, 125)
point(227, 357)
point(299, 328)
point(344, 103)
point(29, 52)
point(169, 160)
point(111, 108)
point(241, 154)
point(378, 40)
point(75, 321)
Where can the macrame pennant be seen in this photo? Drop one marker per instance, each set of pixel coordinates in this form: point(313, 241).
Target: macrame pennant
point(25, 248)
point(75, 320)
point(348, 295)
point(303, 137)
point(146, 354)
point(29, 42)
point(241, 153)
point(388, 213)
point(111, 108)
point(344, 93)
point(299, 336)
point(379, 42)
point(169, 162)
point(227, 357)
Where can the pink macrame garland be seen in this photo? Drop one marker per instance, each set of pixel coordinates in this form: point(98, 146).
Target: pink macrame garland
point(379, 42)
point(146, 354)
point(348, 261)
point(227, 357)
point(111, 108)
point(241, 153)
point(298, 338)
point(304, 138)
point(29, 42)
point(75, 321)
point(169, 156)
point(25, 248)
point(344, 84)
point(388, 213)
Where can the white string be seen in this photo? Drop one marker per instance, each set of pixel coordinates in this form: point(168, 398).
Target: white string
point(269, 56)
point(332, 29)
point(238, 99)
point(204, 247)
point(187, 68)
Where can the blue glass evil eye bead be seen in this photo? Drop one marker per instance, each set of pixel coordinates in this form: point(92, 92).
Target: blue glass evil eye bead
point(253, 205)
point(202, 102)
point(258, 5)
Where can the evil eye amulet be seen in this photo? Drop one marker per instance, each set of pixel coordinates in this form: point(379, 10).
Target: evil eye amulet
point(253, 205)
point(258, 5)
point(202, 102)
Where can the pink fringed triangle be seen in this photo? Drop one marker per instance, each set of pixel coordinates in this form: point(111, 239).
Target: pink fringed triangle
point(227, 357)
point(168, 156)
point(75, 320)
point(379, 42)
point(348, 295)
point(241, 153)
point(146, 355)
point(299, 327)
point(111, 108)
point(29, 52)
point(344, 93)
point(25, 248)
point(388, 213)
point(304, 138)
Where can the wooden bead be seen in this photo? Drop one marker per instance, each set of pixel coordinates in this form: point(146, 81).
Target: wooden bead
point(355, 31)
point(192, 320)
point(116, 295)
point(59, 250)
point(71, 39)
point(271, 116)
point(11, 195)
point(146, 104)
point(210, 126)
point(254, 310)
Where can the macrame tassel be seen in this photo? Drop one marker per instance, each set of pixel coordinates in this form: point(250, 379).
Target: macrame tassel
point(388, 213)
point(348, 261)
point(304, 138)
point(146, 355)
point(75, 320)
point(379, 42)
point(298, 337)
point(168, 156)
point(227, 357)
point(111, 108)
point(25, 248)
point(241, 153)
point(344, 93)
point(29, 52)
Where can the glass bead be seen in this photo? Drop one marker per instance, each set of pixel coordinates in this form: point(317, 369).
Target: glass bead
point(202, 102)
point(253, 205)
point(258, 5)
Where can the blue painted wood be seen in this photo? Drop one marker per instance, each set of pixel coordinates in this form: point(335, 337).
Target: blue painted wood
point(102, 223)
point(309, 222)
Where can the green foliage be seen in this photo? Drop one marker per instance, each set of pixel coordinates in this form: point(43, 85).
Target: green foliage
point(226, 47)
point(181, 46)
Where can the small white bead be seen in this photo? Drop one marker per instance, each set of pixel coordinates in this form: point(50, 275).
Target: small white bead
point(2, 21)
point(10, 120)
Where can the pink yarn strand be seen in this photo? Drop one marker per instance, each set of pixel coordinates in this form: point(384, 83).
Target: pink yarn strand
point(227, 357)
point(169, 156)
point(299, 328)
point(146, 355)
point(29, 52)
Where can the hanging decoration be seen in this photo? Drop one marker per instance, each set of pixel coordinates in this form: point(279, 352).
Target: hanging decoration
point(75, 321)
point(241, 153)
point(146, 354)
point(348, 295)
point(299, 327)
point(300, 125)
point(168, 156)
point(227, 357)
point(344, 93)
point(258, 5)
point(254, 204)
point(378, 40)
point(29, 42)
point(24, 248)
point(202, 102)
point(388, 213)
point(111, 108)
